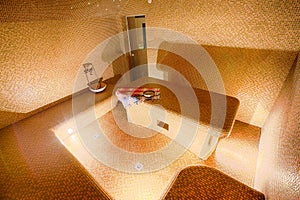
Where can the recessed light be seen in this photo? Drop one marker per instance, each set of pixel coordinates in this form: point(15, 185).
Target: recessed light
point(139, 166)
point(70, 131)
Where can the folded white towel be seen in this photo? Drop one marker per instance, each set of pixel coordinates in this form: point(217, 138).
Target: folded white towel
point(126, 99)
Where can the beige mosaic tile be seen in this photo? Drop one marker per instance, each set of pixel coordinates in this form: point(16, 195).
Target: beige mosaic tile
point(45, 43)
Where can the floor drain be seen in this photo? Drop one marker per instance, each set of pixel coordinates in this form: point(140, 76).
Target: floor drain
point(138, 166)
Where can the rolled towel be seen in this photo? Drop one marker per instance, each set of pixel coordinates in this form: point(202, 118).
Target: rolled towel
point(126, 99)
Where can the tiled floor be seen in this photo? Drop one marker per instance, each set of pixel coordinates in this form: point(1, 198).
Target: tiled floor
point(35, 165)
point(30, 148)
point(122, 185)
point(235, 156)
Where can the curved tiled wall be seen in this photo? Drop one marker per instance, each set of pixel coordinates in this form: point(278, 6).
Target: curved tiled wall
point(43, 43)
point(253, 76)
point(277, 173)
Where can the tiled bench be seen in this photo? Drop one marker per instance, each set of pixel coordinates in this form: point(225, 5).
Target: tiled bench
point(165, 116)
point(201, 182)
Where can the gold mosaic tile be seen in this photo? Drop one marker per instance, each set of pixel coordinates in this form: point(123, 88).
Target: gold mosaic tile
point(30, 147)
point(201, 182)
point(252, 76)
point(43, 44)
point(153, 185)
point(236, 155)
point(34, 165)
point(278, 161)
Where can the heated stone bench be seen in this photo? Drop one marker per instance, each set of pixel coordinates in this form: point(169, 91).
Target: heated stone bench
point(201, 182)
point(165, 116)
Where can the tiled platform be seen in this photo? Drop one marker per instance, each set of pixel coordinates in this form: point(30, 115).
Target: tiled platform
point(229, 157)
point(29, 148)
point(205, 183)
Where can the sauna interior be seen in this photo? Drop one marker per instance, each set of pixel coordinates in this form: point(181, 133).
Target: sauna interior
point(60, 139)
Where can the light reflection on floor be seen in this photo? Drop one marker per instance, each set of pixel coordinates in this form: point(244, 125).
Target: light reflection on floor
point(235, 156)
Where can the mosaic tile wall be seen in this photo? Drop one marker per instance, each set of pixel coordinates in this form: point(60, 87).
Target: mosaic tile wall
point(277, 174)
point(271, 24)
point(43, 43)
point(253, 76)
